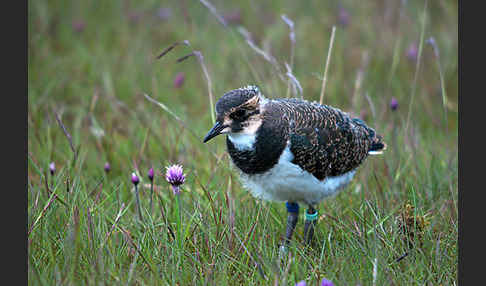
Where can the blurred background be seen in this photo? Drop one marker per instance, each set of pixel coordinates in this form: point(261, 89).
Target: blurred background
point(393, 63)
point(86, 50)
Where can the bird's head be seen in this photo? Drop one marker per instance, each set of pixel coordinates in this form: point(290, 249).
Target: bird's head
point(237, 111)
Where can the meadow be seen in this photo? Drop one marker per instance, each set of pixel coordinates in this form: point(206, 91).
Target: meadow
point(101, 91)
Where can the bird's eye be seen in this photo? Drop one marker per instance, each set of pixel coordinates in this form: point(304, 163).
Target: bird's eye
point(238, 114)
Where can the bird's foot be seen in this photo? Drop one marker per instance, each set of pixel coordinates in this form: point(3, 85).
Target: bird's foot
point(283, 251)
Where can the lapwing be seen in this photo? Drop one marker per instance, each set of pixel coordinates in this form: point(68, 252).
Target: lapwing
point(292, 150)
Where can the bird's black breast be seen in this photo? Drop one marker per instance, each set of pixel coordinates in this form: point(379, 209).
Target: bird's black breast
point(269, 144)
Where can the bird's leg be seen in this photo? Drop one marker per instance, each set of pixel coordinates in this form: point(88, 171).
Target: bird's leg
point(292, 217)
point(310, 222)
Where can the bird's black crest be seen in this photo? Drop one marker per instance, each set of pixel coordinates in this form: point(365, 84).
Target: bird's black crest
point(235, 98)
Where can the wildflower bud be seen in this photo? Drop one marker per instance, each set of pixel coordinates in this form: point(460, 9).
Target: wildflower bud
point(78, 25)
point(412, 52)
point(393, 104)
point(233, 17)
point(164, 13)
point(343, 17)
point(52, 168)
point(135, 179)
point(301, 283)
point(151, 174)
point(431, 41)
point(179, 80)
point(107, 167)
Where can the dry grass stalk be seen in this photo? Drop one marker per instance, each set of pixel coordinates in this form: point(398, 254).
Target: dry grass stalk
point(269, 58)
point(417, 67)
point(68, 136)
point(164, 52)
point(294, 82)
point(291, 25)
point(51, 199)
point(213, 11)
point(324, 80)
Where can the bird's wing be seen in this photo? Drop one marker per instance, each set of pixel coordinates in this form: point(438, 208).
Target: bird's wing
point(327, 142)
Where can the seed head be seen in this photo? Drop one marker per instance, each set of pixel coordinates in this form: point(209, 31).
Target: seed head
point(52, 168)
point(135, 179)
point(175, 176)
point(412, 225)
point(151, 174)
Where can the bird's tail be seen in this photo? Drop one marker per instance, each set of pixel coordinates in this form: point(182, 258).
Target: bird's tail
point(377, 146)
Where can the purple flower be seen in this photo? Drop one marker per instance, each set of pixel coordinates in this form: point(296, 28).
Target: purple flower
point(151, 174)
point(233, 17)
point(431, 41)
point(164, 13)
point(135, 179)
point(107, 167)
point(343, 17)
point(326, 282)
point(412, 52)
point(78, 25)
point(134, 16)
point(301, 283)
point(393, 104)
point(179, 80)
point(175, 176)
point(52, 168)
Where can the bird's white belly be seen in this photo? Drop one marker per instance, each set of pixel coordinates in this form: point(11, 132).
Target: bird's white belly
point(288, 182)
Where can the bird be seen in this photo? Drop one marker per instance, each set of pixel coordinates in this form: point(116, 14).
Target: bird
point(292, 150)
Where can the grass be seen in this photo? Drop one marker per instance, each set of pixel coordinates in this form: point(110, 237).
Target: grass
point(91, 66)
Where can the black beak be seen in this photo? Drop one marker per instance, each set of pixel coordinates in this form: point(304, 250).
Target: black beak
point(215, 131)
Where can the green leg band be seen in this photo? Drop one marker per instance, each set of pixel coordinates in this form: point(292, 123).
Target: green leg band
point(311, 217)
point(310, 222)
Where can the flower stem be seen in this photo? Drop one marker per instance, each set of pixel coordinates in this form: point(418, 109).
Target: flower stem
point(151, 196)
point(116, 192)
point(138, 203)
point(118, 198)
point(179, 222)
